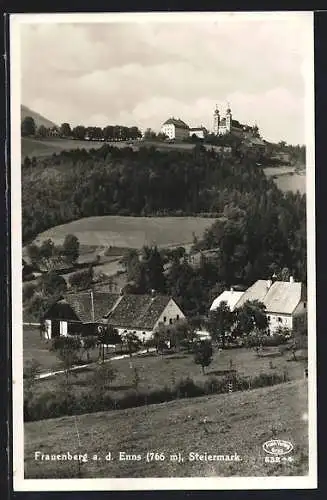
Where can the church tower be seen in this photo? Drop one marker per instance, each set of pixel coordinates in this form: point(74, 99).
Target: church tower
point(216, 121)
point(228, 119)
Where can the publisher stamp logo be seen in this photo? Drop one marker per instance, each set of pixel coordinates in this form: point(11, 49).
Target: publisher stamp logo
point(277, 447)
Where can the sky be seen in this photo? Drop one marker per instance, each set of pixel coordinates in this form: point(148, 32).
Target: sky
point(142, 71)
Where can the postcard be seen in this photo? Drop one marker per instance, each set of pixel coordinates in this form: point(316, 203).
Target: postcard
point(163, 251)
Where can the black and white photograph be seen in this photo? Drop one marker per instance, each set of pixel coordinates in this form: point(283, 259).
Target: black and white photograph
point(163, 251)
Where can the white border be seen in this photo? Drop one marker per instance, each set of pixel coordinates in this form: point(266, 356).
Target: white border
point(198, 483)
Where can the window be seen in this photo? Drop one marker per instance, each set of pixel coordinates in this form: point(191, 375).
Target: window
point(304, 305)
point(170, 321)
point(165, 319)
point(177, 317)
point(268, 318)
point(279, 319)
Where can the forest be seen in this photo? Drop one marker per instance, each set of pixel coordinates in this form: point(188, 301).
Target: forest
point(258, 226)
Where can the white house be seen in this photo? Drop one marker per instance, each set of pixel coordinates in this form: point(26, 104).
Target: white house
point(285, 301)
point(175, 128)
point(231, 297)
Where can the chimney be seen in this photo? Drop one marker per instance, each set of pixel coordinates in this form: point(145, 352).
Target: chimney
point(153, 293)
point(231, 289)
point(92, 305)
point(291, 279)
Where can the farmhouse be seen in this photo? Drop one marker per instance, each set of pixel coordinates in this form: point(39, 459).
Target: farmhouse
point(143, 314)
point(78, 314)
point(285, 302)
point(82, 314)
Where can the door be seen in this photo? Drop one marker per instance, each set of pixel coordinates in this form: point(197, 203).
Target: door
point(63, 329)
point(48, 329)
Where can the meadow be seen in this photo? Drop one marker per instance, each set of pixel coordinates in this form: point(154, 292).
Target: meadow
point(220, 424)
point(130, 232)
point(157, 370)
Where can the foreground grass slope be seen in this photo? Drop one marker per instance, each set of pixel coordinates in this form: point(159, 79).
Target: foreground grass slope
point(236, 423)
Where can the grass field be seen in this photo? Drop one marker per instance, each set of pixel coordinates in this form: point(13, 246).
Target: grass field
point(236, 423)
point(156, 371)
point(46, 147)
point(130, 232)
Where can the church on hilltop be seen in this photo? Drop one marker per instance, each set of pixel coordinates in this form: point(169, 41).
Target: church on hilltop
point(226, 125)
point(175, 128)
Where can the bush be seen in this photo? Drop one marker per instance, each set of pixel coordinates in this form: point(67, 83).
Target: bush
point(265, 340)
point(53, 405)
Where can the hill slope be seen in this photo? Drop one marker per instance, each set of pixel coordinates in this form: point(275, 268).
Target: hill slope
point(237, 423)
point(39, 119)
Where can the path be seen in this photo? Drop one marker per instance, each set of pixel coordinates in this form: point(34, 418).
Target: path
point(80, 367)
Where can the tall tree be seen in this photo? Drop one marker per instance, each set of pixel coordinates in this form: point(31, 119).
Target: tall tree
point(28, 126)
point(203, 354)
point(251, 316)
point(65, 130)
point(71, 248)
point(220, 323)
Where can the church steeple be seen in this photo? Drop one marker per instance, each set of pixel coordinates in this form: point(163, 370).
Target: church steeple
point(228, 118)
point(216, 120)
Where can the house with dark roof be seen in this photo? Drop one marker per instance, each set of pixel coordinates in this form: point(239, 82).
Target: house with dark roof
point(175, 128)
point(82, 313)
point(143, 314)
point(78, 313)
point(285, 301)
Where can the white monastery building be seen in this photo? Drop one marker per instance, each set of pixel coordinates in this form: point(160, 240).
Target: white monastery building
point(175, 128)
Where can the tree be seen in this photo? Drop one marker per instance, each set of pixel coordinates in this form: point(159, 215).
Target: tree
point(42, 131)
point(33, 253)
point(31, 372)
point(67, 350)
point(89, 343)
point(133, 342)
point(81, 280)
point(220, 323)
point(107, 335)
point(251, 316)
point(79, 132)
point(103, 376)
point(153, 267)
point(28, 127)
point(52, 284)
point(71, 248)
point(203, 354)
point(65, 130)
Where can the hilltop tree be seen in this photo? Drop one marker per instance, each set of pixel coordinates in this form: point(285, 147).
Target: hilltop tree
point(79, 132)
point(65, 130)
point(42, 131)
point(28, 126)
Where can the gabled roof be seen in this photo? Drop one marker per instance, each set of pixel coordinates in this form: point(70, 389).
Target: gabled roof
point(81, 303)
point(177, 122)
point(231, 297)
point(138, 311)
point(281, 297)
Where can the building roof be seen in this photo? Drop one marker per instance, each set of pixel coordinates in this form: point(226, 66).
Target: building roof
point(138, 311)
point(198, 128)
point(231, 297)
point(177, 122)
point(81, 303)
point(280, 297)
